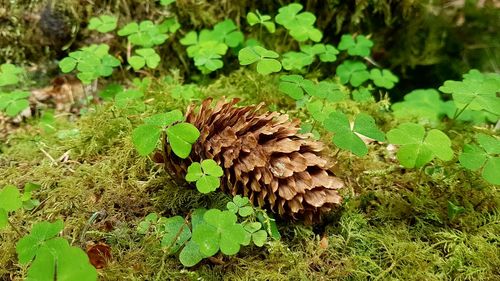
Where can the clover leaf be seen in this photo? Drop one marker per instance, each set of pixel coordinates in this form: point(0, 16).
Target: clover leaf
point(423, 104)
point(145, 34)
point(175, 233)
point(9, 74)
point(454, 210)
point(358, 46)
point(296, 60)
point(52, 257)
point(485, 157)
point(227, 32)
point(166, 2)
point(300, 25)
point(383, 78)
point(362, 94)
point(353, 72)
point(347, 137)
point(256, 233)
point(328, 54)
point(103, 24)
point(417, 147)
point(264, 20)
point(10, 200)
point(92, 62)
point(476, 92)
point(206, 175)
point(295, 85)
point(14, 103)
point(206, 49)
point(265, 59)
point(144, 225)
point(241, 206)
point(145, 137)
point(181, 138)
point(220, 232)
point(147, 56)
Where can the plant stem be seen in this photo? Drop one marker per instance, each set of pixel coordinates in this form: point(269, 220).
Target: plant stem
point(15, 228)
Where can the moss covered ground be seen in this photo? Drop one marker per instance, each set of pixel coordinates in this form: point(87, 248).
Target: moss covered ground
point(394, 223)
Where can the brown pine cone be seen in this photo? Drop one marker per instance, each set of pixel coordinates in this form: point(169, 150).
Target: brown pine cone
point(263, 157)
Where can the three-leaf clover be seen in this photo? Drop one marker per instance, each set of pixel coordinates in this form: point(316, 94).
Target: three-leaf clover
point(52, 257)
point(476, 92)
point(359, 46)
point(9, 74)
point(264, 20)
point(295, 85)
point(383, 78)
point(241, 206)
point(296, 60)
point(147, 56)
point(206, 49)
point(347, 137)
point(92, 62)
point(417, 147)
point(175, 233)
point(145, 34)
point(103, 24)
point(486, 157)
point(227, 32)
point(300, 25)
point(256, 233)
point(422, 103)
point(219, 232)
point(181, 137)
point(353, 72)
point(266, 59)
point(206, 175)
point(145, 137)
point(14, 103)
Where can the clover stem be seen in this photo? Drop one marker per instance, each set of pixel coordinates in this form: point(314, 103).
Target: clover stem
point(260, 31)
point(15, 228)
point(458, 112)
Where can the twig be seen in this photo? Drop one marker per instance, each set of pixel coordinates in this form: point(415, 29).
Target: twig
point(48, 156)
point(15, 228)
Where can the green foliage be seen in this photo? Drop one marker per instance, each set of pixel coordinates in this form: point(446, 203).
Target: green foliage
point(383, 78)
point(353, 72)
point(485, 157)
point(347, 137)
point(295, 86)
point(417, 147)
point(146, 56)
point(52, 257)
point(145, 137)
point(454, 210)
point(300, 25)
point(11, 200)
point(103, 24)
point(166, 2)
point(423, 104)
point(206, 175)
point(14, 103)
point(91, 62)
point(241, 206)
point(263, 20)
point(265, 59)
point(208, 47)
point(181, 137)
point(145, 34)
point(186, 92)
point(307, 55)
point(356, 46)
point(211, 231)
point(476, 91)
point(9, 74)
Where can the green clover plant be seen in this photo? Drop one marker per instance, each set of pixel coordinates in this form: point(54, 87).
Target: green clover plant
point(14, 102)
point(383, 78)
point(484, 157)
point(9, 74)
point(266, 60)
point(206, 175)
point(300, 25)
point(262, 20)
point(91, 63)
point(144, 57)
point(349, 137)
point(353, 72)
point(355, 46)
point(51, 257)
point(477, 91)
point(12, 200)
point(203, 233)
point(145, 34)
point(103, 24)
point(418, 147)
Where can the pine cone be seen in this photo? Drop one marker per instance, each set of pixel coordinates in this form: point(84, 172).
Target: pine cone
point(263, 157)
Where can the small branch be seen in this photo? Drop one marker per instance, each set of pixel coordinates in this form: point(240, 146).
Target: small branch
point(15, 228)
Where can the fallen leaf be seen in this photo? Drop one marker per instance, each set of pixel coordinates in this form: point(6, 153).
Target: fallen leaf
point(99, 254)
